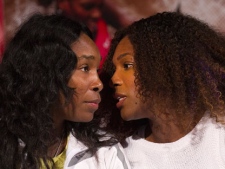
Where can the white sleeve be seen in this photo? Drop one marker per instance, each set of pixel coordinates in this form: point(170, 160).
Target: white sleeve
point(112, 157)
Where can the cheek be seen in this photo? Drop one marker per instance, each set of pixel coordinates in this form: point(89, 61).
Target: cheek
point(81, 89)
point(73, 104)
point(136, 103)
point(131, 111)
point(79, 85)
point(130, 80)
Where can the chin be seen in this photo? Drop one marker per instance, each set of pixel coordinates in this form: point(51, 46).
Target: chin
point(85, 119)
point(125, 116)
point(88, 119)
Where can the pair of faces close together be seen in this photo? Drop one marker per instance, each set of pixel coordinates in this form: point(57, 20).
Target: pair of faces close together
point(161, 68)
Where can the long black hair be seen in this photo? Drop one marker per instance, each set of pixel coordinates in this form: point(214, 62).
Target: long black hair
point(37, 64)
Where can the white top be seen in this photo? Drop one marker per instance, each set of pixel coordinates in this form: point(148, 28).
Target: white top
point(78, 157)
point(202, 148)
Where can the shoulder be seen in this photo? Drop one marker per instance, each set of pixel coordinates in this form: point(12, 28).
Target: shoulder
point(109, 157)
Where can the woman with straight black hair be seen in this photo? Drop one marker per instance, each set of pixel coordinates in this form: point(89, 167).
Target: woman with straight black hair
point(49, 92)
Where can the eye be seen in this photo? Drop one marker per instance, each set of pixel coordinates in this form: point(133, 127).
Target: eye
point(85, 68)
point(127, 65)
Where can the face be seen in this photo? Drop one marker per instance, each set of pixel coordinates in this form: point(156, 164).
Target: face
point(85, 82)
point(87, 11)
point(130, 105)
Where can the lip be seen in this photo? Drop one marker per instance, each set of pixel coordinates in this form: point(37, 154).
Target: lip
point(93, 104)
point(95, 101)
point(118, 95)
point(121, 98)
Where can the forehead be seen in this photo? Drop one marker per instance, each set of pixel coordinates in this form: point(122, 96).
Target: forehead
point(85, 46)
point(123, 47)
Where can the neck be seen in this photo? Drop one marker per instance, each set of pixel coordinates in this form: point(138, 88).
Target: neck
point(59, 140)
point(59, 122)
point(58, 145)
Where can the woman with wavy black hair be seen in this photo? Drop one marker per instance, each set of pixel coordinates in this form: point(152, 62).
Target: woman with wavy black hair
point(168, 76)
point(49, 92)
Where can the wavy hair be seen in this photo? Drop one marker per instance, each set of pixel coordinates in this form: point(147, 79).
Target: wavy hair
point(37, 64)
point(179, 65)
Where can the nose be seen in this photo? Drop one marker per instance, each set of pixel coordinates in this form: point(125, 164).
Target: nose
point(97, 85)
point(115, 81)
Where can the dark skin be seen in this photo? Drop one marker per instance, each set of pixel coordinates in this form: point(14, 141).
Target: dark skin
point(87, 85)
point(163, 127)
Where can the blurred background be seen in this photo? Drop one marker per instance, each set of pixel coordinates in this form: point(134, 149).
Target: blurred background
point(104, 17)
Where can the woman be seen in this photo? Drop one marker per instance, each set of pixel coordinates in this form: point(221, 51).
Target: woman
point(49, 93)
point(168, 76)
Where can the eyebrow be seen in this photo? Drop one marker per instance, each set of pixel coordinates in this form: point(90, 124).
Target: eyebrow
point(123, 55)
point(88, 57)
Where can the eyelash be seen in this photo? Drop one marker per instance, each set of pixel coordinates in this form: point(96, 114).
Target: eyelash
point(127, 65)
point(85, 68)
